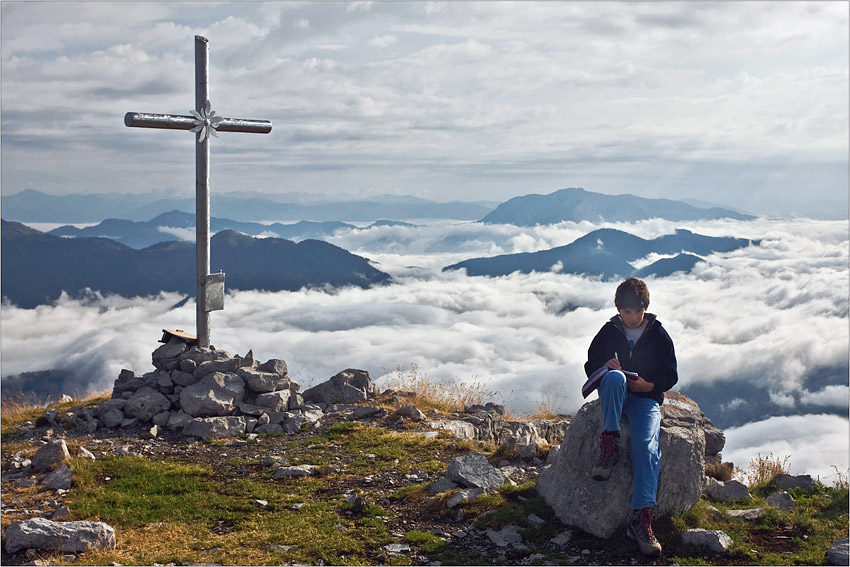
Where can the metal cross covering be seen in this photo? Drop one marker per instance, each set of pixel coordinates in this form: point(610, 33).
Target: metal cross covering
point(210, 287)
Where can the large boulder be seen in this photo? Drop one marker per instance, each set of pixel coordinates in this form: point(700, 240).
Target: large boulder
point(263, 382)
point(348, 387)
point(212, 427)
point(45, 535)
point(146, 403)
point(167, 356)
point(601, 508)
point(216, 394)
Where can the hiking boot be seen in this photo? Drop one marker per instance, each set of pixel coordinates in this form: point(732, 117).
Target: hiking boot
point(609, 454)
point(640, 530)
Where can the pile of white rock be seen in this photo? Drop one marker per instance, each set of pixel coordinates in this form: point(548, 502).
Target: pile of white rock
point(205, 393)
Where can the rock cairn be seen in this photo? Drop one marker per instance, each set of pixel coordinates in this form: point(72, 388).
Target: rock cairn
point(206, 393)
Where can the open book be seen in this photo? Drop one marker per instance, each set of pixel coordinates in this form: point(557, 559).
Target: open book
point(593, 381)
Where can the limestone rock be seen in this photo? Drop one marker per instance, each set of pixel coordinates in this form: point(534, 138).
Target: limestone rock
point(508, 535)
point(348, 387)
point(275, 366)
point(112, 418)
point(474, 471)
point(487, 420)
point(787, 482)
point(728, 491)
point(781, 500)
point(275, 401)
point(50, 456)
point(715, 440)
point(714, 541)
point(211, 427)
point(441, 485)
point(460, 429)
point(84, 453)
point(215, 395)
point(600, 508)
point(146, 403)
point(749, 514)
point(411, 412)
point(223, 366)
point(45, 535)
point(296, 471)
point(127, 381)
point(463, 495)
point(259, 381)
point(839, 553)
point(167, 356)
point(178, 420)
point(60, 478)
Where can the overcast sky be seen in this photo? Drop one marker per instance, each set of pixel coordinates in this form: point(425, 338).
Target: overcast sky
point(740, 103)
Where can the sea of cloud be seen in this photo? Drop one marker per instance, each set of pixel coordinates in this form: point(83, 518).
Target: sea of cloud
point(768, 316)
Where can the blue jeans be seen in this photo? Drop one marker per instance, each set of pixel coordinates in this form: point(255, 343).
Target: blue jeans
point(644, 418)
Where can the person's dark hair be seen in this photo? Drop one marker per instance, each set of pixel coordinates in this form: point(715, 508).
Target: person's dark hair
point(632, 294)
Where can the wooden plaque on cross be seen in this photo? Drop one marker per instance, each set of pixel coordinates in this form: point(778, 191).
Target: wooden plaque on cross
point(205, 123)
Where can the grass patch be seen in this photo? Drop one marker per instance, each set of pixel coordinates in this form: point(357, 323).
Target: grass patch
point(444, 396)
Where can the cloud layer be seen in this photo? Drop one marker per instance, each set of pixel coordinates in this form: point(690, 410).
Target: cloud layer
point(760, 331)
point(741, 103)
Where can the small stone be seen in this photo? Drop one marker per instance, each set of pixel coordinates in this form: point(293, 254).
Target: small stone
point(50, 455)
point(750, 514)
point(562, 538)
point(536, 521)
point(839, 553)
point(781, 500)
point(397, 548)
point(60, 478)
point(61, 512)
point(714, 541)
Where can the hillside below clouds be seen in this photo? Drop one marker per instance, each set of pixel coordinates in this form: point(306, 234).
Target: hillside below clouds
point(608, 253)
point(579, 205)
point(37, 267)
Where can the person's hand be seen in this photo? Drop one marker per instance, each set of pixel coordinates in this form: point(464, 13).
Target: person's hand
point(640, 385)
point(614, 364)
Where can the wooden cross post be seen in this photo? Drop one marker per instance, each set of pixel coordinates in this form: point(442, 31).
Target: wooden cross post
point(210, 287)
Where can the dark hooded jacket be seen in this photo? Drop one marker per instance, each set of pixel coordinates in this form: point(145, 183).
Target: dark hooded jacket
point(653, 356)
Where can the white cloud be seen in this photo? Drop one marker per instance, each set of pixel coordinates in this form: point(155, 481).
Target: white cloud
point(383, 40)
point(814, 444)
point(829, 397)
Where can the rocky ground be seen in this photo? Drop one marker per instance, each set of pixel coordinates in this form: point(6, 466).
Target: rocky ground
point(464, 529)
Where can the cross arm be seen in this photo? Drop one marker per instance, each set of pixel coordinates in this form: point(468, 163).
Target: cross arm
point(180, 122)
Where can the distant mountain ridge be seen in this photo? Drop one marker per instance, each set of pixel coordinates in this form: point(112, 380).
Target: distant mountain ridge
point(34, 206)
point(141, 234)
point(607, 253)
point(578, 205)
point(37, 267)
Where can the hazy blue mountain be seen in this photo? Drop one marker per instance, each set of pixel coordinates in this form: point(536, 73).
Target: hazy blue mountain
point(37, 267)
point(668, 266)
point(579, 205)
point(141, 234)
point(605, 252)
point(34, 206)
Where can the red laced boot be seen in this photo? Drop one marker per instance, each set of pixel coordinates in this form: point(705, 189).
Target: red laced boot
point(609, 454)
point(640, 530)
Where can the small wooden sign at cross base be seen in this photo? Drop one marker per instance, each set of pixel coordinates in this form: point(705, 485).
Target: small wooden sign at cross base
point(209, 295)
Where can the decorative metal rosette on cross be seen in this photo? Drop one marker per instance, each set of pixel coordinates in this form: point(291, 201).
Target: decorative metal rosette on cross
point(205, 122)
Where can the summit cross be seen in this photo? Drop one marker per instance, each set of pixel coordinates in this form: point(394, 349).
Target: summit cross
point(209, 287)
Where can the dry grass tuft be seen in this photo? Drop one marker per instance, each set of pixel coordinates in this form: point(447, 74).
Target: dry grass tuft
point(763, 470)
point(443, 396)
point(18, 408)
